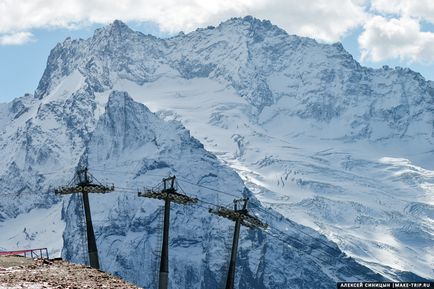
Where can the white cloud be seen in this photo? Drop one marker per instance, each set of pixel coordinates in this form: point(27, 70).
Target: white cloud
point(16, 38)
point(323, 19)
point(326, 20)
point(396, 38)
point(423, 9)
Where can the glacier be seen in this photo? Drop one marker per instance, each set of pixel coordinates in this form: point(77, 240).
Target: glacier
point(322, 144)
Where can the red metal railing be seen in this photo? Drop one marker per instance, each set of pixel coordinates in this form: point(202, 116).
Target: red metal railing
point(33, 253)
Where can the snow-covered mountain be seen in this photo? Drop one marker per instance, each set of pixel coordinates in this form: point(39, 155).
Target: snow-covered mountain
point(327, 143)
point(132, 147)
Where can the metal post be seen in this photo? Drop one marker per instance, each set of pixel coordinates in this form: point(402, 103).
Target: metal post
point(84, 183)
point(164, 263)
point(233, 262)
point(240, 217)
point(168, 195)
point(91, 242)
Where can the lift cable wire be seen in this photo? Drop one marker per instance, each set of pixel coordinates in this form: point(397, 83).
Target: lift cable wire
point(120, 172)
point(270, 233)
point(268, 212)
point(297, 229)
point(278, 234)
point(35, 192)
point(309, 255)
point(177, 177)
point(134, 190)
point(270, 230)
point(208, 188)
point(251, 204)
point(262, 210)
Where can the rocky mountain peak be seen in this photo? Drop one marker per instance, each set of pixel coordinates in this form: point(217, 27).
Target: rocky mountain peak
point(252, 23)
point(246, 53)
point(116, 29)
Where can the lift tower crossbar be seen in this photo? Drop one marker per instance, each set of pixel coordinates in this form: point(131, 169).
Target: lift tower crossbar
point(240, 216)
point(84, 183)
point(168, 194)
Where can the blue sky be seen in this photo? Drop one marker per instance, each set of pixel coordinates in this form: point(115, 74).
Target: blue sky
point(21, 66)
point(375, 32)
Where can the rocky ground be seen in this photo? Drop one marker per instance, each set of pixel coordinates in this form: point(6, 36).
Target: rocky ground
point(19, 272)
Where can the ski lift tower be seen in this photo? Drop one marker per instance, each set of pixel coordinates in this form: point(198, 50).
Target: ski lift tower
point(240, 216)
point(168, 193)
point(84, 183)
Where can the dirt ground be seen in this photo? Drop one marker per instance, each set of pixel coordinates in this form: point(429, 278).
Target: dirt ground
point(19, 272)
point(10, 261)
